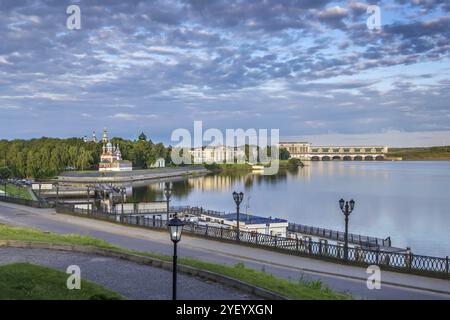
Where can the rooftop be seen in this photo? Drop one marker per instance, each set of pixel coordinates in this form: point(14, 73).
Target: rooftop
point(251, 219)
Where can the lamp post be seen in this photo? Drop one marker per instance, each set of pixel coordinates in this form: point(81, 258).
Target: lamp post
point(122, 193)
point(237, 197)
point(175, 229)
point(168, 194)
point(346, 208)
point(57, 193)
point(88, 197)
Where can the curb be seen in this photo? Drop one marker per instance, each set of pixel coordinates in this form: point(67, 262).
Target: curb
point(154, 262)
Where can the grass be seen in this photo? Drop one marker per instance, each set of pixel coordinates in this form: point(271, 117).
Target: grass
point(29, 234)
point(24, 281)
point(299, 289)
point(14, 191)
point(425, 153)
point(229, 167)
point(294, 289)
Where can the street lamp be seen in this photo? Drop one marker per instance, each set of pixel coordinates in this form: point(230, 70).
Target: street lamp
point(346, 208)
point(175, 229)
point(57, 193)
point(238, 199)
point(88, 197)
point(122, 194)
point(4, 185)
point(168, 194)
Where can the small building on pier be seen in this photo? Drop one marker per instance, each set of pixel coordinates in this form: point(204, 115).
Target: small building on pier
point(247, 222)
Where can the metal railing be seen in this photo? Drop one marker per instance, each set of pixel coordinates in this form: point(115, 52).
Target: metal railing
point(26, 202)
point(361, 240)
point(197, 211)
point(395, 261)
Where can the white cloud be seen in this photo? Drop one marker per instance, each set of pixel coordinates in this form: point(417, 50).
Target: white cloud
point(132, 117)
point(3, 60)
point(10, 107)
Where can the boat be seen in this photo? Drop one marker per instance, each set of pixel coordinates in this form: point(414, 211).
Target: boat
point(257, 167)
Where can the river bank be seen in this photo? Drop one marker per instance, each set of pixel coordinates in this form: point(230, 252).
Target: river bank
point(246, 168)
point(422, 153)
point(130, 176)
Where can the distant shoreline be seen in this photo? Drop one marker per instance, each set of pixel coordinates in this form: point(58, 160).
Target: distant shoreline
point(421, 153)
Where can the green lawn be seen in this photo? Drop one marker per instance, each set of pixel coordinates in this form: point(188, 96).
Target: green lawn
point(294, 288)
point(425, 153)
point(14, 191)
point(29, 234)
point(24, 281)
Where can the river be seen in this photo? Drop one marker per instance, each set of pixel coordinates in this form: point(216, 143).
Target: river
point(406, 200)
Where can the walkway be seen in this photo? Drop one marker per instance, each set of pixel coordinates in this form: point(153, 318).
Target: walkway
point(128, 176)
point(132, 280)
point(339, 277)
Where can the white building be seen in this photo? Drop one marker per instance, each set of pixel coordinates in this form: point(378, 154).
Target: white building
point(159, 163)
point(306, 152)
point(218, 154)
point(250, 223)
point(111, 157)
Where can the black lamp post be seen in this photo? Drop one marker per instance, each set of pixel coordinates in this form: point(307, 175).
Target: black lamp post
point(122, 196)
point(238, 199)
point(168, 194)
point(4, 185)
point(57, 194)
point(175, 229)
point(88, 197)
point(346, 208)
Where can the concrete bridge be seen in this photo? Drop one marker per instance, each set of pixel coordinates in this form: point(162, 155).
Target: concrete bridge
point(304, 151)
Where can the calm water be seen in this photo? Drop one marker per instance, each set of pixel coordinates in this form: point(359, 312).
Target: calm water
point(409, 201)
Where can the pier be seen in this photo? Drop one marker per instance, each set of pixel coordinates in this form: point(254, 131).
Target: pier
point(129, 176)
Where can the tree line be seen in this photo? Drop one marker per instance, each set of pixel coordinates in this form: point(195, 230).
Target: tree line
point(47, 157)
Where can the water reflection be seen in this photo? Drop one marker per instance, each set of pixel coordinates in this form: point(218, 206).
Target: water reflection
point(405, 200)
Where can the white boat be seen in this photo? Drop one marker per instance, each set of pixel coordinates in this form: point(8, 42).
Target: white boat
point(257, 167)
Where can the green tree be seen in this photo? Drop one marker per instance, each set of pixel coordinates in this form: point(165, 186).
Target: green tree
point(47, 157)
point(284, 154)
point(5, 173)
point(84, 159)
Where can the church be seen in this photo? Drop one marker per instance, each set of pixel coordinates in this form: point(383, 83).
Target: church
point(111, 158)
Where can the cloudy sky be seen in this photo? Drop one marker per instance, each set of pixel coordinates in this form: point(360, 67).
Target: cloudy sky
point(311, 68)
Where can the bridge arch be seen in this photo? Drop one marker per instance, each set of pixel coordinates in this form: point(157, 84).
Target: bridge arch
point(337, 158)
point(368, 158)
point(347, 158)
point(358, 158)
point(379, 158)
point(326, 158)
point(315, 158)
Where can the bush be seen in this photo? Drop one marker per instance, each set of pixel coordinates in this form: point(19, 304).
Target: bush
point(5, 173)
point(295, 162)
point(214, 167)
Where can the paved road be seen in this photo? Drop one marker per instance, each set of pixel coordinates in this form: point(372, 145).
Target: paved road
point(131, 280)
point(339, 277)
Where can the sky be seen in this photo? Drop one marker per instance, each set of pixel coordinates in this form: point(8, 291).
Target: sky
point(311, 68)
